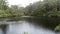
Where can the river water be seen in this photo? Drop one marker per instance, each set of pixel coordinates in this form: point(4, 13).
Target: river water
point(24, 26)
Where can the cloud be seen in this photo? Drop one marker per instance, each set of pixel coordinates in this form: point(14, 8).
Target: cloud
point(21, 2)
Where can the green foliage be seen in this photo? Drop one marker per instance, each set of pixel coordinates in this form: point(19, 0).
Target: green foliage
point(25, 33)
point(41, 8)
point(12, 11)
point(3, 4)
point(57, 28)
point(15, 11)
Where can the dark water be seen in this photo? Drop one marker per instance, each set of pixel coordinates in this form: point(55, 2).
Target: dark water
point(24, 25)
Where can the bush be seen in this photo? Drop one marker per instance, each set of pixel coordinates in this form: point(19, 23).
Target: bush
point(57, 28)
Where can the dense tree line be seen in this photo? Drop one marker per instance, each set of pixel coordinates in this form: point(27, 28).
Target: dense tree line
point(44, 8)
point(6, 11)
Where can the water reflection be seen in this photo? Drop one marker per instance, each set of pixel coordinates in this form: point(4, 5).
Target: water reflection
point(27, 25)
point(3, 28)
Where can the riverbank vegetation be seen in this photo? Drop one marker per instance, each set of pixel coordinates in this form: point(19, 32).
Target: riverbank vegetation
point(49, 9)
point(44, 8)
point(13, 11)
point(57, 28)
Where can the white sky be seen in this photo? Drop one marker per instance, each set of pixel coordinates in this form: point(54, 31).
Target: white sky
point(21, 2)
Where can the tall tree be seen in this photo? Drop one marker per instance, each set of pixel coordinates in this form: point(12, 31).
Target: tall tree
point(3, 4)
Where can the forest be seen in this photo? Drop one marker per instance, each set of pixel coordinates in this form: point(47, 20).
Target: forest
point(50, 9)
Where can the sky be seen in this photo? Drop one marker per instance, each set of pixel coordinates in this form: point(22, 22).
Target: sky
point(22, 3)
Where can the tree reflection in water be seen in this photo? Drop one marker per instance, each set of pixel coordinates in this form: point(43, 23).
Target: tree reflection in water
point(3, 27)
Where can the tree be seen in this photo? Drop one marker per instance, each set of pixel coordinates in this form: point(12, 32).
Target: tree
point(46, 7)
point(3, 4)
point(15, 10)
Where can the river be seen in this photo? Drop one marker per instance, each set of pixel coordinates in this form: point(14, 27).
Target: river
point(23, 26)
